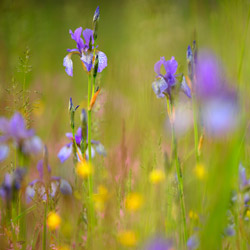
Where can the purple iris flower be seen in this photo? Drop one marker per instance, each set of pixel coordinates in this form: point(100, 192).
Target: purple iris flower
point(66, 150)
point(193, 243)
point(85, 47)
point(158, 243)
point(218, 102)
point(38, 185)
point(12, 184)
point(96, 14)
point(244, 182)
point(15, 130)
point(165, 82)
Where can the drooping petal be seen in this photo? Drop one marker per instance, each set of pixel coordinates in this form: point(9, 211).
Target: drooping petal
point(65, 187)
point(100, 149)
point(33, 145)
point(185, 88)
point(65, 152)
point(102, 61)
point(159, 87)
point(87, 59)
point(4, 151)
point(171, 66)
point(30, 193)
point(158, 65)
point(68, 64)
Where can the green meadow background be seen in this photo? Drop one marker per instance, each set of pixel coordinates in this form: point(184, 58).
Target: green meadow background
point(134, 34)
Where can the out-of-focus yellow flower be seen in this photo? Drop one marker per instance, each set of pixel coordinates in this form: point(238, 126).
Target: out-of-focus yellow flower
point(53, 221)
point(193, 215)
point(64, 248)
point(156, 176)
point(248, 213)
point(101, 198)
point(133, 202)
point(84, 169)
point(127, 238)
point(200, 171)
point(38, 108)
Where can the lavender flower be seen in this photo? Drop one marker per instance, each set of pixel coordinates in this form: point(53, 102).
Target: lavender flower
point(158, 243)
point(85, 47)
point(66, 150)
point(39, 185)
point(244, 182)
point(193, 243)
point(164, 83)
point(15, 130)
point(218, 103)
point(12, 184)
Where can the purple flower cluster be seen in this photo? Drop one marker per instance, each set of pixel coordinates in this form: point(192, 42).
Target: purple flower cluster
point(158, 243)
point(218, 102)
point(55, 184)
point(12, 184)
point(66, 150)
point(15, 130)
point(85, 49)
point(164, 83)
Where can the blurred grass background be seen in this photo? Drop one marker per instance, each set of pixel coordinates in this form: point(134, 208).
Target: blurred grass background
point(134, 34)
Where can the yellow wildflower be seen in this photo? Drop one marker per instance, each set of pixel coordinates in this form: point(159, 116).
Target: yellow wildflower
point(53, 221)
point(248, 213)
point(127, 238)
point(133, 201)
point(84, 169)
point(200, 171)
point(100, 198)
point(156, 176)
point(193, 215)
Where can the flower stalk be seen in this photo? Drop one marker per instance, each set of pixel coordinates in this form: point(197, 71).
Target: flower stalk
point(170, 108)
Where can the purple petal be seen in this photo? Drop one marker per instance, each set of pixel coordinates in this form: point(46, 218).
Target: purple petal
point(158, 65)
point(159, 87)
point(68, 64)
point(65, 152)
point(158, 243)
point(87, 59)
point(192, 243)
point(96, 14)
point(100, 149)
point(102, 61)
point(171, 66)
point(18, 129)
point(65, 187)
point(208, 73)
point(77, 37)
point(30, 193)
point(220, 115)
point(87, 34)
point(33, 145)
point(185, 88)
point(4, 151)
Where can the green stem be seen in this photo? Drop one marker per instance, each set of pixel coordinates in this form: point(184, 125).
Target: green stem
point(90, 181)
point(196, 132)
point(44, 226)
point(178, 170)
point(244, 45)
